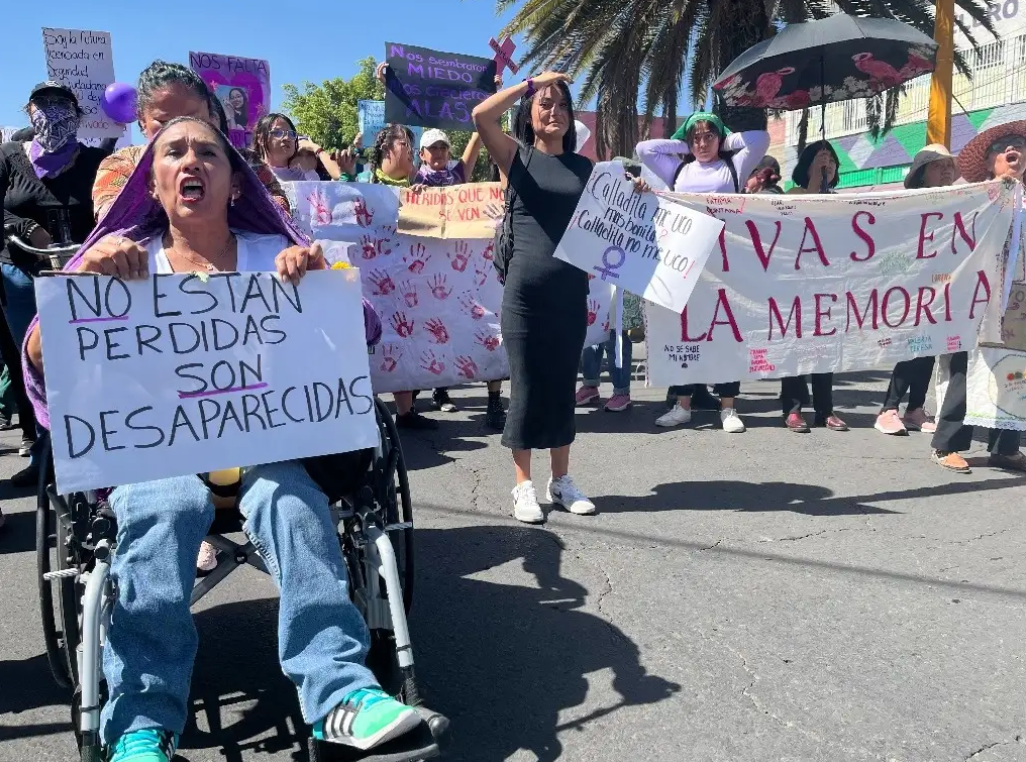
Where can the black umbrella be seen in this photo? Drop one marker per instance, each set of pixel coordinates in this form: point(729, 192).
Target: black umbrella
point(833, 59)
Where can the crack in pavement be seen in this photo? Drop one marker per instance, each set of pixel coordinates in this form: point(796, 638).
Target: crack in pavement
point(986, 747)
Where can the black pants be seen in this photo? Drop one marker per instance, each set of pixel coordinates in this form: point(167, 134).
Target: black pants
point(952, 434)
point(911, 377)
point(728, 390)
point(11, 354)
point(794, 394)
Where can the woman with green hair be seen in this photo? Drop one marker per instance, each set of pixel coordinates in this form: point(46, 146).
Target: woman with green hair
point(703, 156)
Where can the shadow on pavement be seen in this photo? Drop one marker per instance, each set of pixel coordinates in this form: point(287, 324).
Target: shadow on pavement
point(18, 534)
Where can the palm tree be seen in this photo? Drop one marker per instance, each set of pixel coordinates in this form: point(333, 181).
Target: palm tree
point(642, 49)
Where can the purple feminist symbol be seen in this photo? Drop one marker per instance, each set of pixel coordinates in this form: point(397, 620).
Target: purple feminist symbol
point(608, 269)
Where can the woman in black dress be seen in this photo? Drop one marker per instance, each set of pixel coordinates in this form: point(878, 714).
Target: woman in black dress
point(544, 305)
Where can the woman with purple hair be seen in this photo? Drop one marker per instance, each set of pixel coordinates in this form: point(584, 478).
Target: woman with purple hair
point(193, 205)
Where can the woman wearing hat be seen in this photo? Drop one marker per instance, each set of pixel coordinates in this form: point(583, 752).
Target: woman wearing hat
point(46, 187)
point(997, 152)
point(703, 156)
point(932, 167)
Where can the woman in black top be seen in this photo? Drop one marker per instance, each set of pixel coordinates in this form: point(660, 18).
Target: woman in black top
point(46, 188)
point(544, 305)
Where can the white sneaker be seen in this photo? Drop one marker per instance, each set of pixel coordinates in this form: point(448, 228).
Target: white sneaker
point(676, 416)
point(525, 504)
point(731, 421)
point(564, 492)
point(207, 560)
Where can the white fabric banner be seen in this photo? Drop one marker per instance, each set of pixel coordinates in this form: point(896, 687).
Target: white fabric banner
point(645, 243)
point(439, 299)
point(184, 374)
point(811, 284)
point(996, 388)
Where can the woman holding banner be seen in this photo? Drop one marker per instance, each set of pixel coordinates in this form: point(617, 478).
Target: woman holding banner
point(703, 156)
point(815, 172)
point(999, 152)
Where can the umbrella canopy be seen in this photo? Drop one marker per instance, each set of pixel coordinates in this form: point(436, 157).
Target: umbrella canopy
point(833, 59)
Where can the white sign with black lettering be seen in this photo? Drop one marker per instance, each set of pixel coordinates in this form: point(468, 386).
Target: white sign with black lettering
point(184, 374)
point(83, 61)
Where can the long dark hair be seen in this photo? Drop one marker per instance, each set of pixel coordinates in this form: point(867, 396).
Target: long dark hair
point(262, 134)
point(723, 154)
point(383, 141)
point(800, 176)
point(523, 129)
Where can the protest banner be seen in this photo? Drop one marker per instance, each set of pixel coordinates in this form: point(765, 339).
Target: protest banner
point(812, 284)
point(242, 85)
point(439, 298)
point(190, 373)
point(370, 120)
point(459, 211)
point(996, 388)
point(83, 61)
point(648, 244)
point(435, 89)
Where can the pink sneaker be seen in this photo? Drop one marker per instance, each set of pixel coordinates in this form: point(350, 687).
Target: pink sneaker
point(207, 560)
point(919, 420)
point(618, 403)
point(586, 395)
point(888, 422)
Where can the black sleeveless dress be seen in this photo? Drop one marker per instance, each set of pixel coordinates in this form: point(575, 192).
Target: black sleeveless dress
point(545, 301)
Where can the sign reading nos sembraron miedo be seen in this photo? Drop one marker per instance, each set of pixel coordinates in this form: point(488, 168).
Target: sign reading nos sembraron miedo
point(434, 89)
point(183, 374)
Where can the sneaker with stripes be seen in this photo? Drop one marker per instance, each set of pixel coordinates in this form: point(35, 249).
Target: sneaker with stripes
point(366, 718)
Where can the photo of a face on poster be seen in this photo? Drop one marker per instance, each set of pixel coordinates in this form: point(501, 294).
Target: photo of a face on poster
point(235, 101)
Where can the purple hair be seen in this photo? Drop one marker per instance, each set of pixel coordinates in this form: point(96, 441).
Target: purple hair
point(137, 216)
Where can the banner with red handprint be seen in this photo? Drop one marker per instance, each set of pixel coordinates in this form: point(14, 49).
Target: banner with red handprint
point(439, 299)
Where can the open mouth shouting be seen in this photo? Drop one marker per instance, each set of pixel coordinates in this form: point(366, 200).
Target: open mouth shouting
point(191, 190)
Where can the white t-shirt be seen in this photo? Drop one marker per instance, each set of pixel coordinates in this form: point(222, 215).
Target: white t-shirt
point(256, 253)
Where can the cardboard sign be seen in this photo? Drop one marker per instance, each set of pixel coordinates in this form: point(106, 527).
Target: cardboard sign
point(183, 374)
point(813, 284)
point(647, 244)
point(435, 89)
point(83, 61)
point(242, 85)
point(459, 211)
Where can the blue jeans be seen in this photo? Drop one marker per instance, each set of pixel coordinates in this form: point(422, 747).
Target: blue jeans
point(591, 364)
point(20, 293)
point(151, 645)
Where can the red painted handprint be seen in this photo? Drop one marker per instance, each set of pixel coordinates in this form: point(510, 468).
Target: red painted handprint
point(487, 340)
point(431, 363)
point(319, 209)
point(385, 244)
point(368, 249)
point(605, 326)
point(437, 330)
point(364, 216)
point(390, 355)
point(480, 275)
point(466, 367)
point(383, 284)
point(471, 307)
point(409, 292)
point(403, 327)
point(439, 287)
point(417, 258)
point(489, 251)
point(593, 308)
point(460, 256)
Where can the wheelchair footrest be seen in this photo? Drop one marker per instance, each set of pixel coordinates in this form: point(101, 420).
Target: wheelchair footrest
point(424, 742)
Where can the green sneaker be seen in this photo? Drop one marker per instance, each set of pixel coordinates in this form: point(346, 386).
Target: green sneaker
point(151, 745)
point(365, 719)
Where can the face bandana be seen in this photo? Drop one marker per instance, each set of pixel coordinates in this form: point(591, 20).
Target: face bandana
point(55, 143)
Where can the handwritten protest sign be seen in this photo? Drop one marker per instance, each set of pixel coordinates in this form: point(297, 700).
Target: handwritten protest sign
point(811, 284)
point(435, 89)
point(243, 85)
point(83, 61)
point(184, 374)
point(439, 299)
point(370, 119)
point(649, 245)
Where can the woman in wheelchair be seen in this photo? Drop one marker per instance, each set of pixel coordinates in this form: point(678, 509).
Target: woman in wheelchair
point(191, 205)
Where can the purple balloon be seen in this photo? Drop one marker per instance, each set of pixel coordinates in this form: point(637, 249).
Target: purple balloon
point(118, 102)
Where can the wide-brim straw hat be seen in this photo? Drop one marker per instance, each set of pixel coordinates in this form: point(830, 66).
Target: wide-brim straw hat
point(972, 161)
point(928, 155)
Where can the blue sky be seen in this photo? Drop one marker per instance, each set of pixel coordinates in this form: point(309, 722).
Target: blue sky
point(310, 41)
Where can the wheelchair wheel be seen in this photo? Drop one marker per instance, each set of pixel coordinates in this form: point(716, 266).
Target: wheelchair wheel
point(396, 501)
point(55, 544)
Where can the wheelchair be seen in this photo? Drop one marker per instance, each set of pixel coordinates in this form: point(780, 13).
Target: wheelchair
point(76, 538)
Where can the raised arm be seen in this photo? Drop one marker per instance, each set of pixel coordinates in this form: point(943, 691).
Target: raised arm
point(663, 157)
point(750, 147)
point(470, 154)
point(488, 113)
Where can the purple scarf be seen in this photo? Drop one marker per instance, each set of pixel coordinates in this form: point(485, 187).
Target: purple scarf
point(136, 215)
point(52, 164)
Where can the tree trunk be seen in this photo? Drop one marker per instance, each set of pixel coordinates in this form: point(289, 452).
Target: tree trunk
point(670, 112)
point(749, 25)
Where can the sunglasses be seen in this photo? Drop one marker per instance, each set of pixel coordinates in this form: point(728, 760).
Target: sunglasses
point(279, 134)
point(1015, 141)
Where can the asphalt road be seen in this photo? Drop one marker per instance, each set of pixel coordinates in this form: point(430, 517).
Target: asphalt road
point(765, 596)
